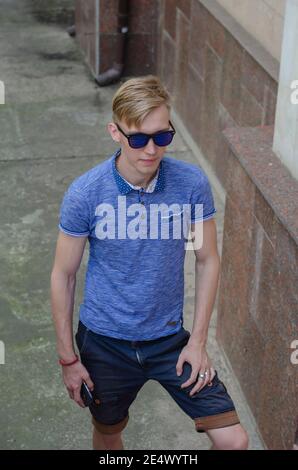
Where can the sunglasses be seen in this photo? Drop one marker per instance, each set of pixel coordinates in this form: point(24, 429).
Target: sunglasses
point(139, 139)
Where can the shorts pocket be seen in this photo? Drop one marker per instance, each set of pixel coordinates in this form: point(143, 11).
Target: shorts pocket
point(106, 408)
point(217, 385)
point(81, 337)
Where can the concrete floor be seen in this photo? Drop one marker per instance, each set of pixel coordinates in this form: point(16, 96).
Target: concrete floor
point(52, 130)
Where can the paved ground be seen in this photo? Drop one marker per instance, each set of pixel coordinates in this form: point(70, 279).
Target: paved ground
point(52, 130)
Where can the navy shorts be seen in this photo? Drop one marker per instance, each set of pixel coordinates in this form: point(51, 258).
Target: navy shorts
point(119, 368)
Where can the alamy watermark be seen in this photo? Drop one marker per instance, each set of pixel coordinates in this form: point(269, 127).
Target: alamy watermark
point(157, 221)
point(2, 353)
point(294, 94)
point(294, 355)
point(2, 93)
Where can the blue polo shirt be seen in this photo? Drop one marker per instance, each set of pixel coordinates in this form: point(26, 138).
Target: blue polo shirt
point(134, 286)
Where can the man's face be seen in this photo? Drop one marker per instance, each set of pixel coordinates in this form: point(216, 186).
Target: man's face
point(145, 160)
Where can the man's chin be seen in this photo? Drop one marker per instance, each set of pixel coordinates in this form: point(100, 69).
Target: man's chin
point(148, 163)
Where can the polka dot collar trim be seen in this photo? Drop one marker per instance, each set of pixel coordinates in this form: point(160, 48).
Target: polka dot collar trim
point(125, 188)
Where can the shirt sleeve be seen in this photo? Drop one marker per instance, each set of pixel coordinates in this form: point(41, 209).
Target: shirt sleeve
point(74, 214)
point(202, 204)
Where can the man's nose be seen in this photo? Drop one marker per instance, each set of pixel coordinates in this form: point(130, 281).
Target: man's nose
point(150, 147)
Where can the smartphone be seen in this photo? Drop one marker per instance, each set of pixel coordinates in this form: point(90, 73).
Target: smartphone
point(86, 394)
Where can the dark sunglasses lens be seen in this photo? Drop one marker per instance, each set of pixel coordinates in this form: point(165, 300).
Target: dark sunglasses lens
point(141, 140)
point(163, 139)
point(138, 140)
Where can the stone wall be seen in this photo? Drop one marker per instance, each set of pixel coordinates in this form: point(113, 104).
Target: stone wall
point(263, 19)
point(85, 23)
point(214, 79)
point(141, 43)
point(220, 77)
point(258, 297)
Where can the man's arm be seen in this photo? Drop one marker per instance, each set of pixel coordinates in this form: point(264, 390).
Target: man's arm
point(69, 252)
point(207, 269)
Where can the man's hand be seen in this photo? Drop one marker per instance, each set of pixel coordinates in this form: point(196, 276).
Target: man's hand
point(73, 376)
point(202, 370)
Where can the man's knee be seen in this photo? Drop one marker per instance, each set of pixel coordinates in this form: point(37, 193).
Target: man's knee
point(109, 429)
point(241, 441)
point(238, 441)
point(230, 438)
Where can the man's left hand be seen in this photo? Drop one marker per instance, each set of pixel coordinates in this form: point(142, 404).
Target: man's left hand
point(202, 370)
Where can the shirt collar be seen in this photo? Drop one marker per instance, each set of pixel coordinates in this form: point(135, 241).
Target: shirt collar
point(125, 187)
point(151, 186)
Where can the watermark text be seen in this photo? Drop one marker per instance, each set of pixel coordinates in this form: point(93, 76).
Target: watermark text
point(2, 353)
point(294, 94)
point(155, 222)
point(2, 93)
point(294, 355)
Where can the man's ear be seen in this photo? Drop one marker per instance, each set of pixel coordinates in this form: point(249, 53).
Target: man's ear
point(112, 129)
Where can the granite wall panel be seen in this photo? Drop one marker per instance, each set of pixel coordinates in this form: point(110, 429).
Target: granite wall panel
point(258, 296)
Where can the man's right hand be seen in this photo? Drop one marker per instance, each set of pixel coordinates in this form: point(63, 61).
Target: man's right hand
point(73, 376)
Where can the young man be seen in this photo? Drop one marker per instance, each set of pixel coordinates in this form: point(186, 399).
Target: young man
point(131, 319)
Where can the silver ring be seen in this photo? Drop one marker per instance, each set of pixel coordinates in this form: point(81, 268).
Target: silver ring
point(202, 376)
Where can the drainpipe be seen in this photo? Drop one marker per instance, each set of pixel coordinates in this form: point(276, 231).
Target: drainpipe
point(71, 30)
point(114, 73)
point(97, 37)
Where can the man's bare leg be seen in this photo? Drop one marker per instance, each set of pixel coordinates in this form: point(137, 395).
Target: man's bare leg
point(229, 438)
point(107, 441)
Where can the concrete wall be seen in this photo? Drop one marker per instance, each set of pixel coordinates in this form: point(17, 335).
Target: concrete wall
point(263, 19)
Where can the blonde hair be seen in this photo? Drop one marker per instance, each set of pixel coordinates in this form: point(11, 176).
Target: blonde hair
point(137, 97)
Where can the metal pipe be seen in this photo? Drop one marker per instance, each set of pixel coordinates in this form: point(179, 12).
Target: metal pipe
point(97, 37)
point(114, 73)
